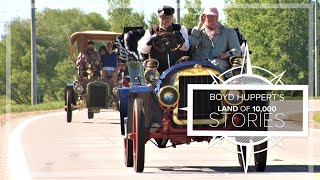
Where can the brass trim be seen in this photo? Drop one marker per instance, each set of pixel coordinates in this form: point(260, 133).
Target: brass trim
point(236, 104)
point(151, 63)
point(197, 70)
point(165, 105)
point(158, 74)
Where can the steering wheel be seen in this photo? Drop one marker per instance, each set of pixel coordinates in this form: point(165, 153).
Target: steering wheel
point(168, 41)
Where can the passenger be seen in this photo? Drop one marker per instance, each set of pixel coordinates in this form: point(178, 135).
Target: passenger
point(109, 62)
point(89, 59)
point(212, 41)
point(102, 50)
point(165, 17)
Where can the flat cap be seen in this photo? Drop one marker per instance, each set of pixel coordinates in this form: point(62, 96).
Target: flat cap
point(166, 10)
point(90, 42)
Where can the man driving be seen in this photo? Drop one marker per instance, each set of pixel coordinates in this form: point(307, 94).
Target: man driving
point(168, 58)
point(89, 59)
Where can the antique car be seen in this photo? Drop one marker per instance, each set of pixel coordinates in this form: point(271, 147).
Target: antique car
point(90, 90)
point(152, 105)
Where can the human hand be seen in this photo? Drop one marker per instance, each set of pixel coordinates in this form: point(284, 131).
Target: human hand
point(202, 18)
point(223, 56)
point(152, 38)
point(178, 35)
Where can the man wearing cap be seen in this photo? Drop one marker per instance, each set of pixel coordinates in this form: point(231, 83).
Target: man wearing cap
point(165, 17)
point(89, 59)
point(212, 41)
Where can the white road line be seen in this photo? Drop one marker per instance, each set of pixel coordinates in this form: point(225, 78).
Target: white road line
point(16, 159)
point(318, 109)
point(17, 163)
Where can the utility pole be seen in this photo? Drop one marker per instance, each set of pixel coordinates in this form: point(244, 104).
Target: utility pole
point(34, 85)
point(178, 11)
point(316, 73)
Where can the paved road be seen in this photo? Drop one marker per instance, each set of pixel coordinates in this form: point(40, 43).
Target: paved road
point(93, 149)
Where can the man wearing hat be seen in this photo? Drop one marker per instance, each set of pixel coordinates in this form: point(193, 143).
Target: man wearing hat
point(165, 17)
point(88, 59)
point(213, 41)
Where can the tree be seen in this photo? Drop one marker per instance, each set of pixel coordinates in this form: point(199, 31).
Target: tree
point(278, 37)
point(194, 10)
point(20, 61)
point(153, 19)
point(53, 29)
point(122, 15)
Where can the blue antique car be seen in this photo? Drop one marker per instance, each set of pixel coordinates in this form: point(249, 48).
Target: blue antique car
point(151, 104)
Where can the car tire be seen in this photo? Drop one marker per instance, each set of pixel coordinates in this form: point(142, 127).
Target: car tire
point(128, 147)
point(90, 114)
point(162, 142)
point(260, 159)
point(139, 131)
point(128, 152)
point(242, 158)
point(69, 106)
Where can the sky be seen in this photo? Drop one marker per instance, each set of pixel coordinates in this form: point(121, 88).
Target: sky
point(21, 8)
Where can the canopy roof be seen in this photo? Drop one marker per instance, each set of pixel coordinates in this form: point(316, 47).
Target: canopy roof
point(82, 39)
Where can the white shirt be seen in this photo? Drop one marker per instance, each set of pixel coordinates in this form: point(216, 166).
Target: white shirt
point(145, 49)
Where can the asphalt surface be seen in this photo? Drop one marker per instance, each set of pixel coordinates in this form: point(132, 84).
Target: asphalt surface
point(47, 147)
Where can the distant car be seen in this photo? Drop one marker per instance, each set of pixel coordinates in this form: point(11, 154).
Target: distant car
point(87, 90)
point(150, 104)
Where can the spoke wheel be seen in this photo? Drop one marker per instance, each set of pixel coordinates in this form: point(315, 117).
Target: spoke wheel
point(128, 149)
point(242, 155)
point(260, 159)
point(69, 106)
point(138, 130)
point(162, 142)
point(128, 152)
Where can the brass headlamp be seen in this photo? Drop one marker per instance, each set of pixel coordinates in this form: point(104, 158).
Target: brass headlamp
point(151, 74)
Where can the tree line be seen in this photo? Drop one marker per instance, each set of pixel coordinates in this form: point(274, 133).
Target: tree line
point(278, 39)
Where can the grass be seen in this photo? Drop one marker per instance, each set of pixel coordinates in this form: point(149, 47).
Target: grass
point(316, 116)
point(292, 97)
point(314, 98)
point(38, 107)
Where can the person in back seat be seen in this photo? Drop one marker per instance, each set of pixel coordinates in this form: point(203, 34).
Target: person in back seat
point(212, 41)
point(109, 62)
point(165, 17)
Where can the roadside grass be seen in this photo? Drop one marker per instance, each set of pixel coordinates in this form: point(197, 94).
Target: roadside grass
point(316, 116)
point(314, 98)
point(292, 98)
point(38, 107)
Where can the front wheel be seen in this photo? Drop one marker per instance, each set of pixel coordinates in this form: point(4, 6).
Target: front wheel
point(69, 106)
point(128, 154)
point(90, 113)
point(260, 159)
point(242, 155)
point(139, 131)
point(260, 156)
point(128, 147)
